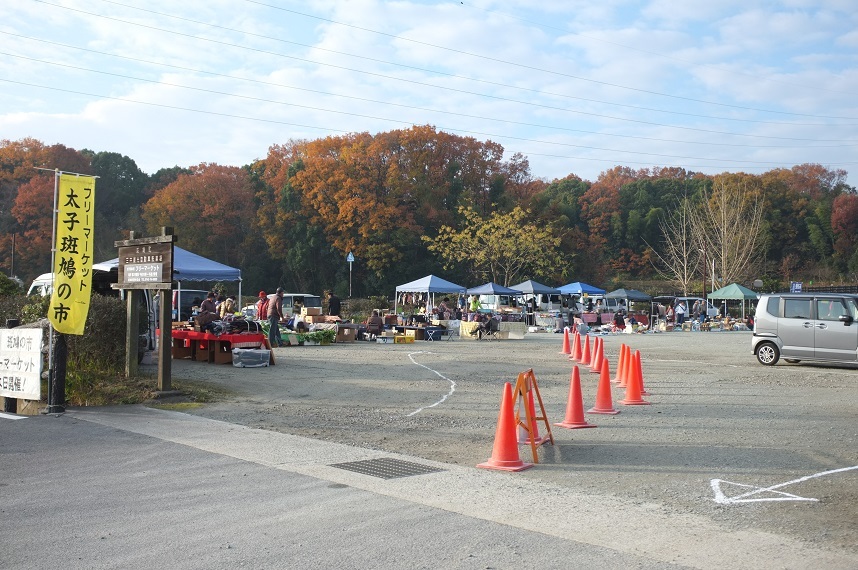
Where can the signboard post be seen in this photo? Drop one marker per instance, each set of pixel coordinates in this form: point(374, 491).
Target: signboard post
point(350, 258)
point(21, 363)
point(147, 263)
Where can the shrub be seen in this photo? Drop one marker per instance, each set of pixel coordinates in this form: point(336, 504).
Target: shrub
point(358, 310)
point(96, 359)
point(9, 286)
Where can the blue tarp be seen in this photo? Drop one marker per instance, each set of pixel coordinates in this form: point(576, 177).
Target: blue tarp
point(491, 288)
point(430, 284)
point(578, 288)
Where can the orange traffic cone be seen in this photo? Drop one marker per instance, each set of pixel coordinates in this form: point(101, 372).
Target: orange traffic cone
point(598, 355)
point(633, 389)
point(620, 362)
point(575, 405)
point(523, 434)
point(585, 357)
point(565, 349)
point(604, 402)
point(505, 452)
point(576, 348)
point(626, 372)
point(639, 361)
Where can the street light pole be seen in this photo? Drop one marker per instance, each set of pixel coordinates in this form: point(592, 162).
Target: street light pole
point(704, 273)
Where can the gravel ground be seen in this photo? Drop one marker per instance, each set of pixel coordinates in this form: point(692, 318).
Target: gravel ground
point(716, 414)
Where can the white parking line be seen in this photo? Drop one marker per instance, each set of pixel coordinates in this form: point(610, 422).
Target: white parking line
point(722, 499)
point(452, 383)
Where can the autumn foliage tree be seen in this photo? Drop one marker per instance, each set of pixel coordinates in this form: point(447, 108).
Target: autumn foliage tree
point(844, 223)
point(503, 247)
point(290, 219)
point(210, 210)
point(32, 209)
point(728, 225)
point(19, 164)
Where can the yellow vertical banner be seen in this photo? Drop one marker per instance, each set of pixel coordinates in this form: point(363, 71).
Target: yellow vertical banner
point(73, 258)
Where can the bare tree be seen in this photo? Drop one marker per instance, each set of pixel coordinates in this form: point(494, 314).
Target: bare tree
point(728, 225)
point(679, 257)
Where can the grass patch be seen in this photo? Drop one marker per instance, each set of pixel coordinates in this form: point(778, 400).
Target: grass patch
point(103, 389)
point(200, 392)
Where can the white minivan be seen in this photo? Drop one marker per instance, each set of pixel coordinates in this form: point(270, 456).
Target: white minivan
point(806, 326)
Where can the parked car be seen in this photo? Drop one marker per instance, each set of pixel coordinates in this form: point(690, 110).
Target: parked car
point(184, 300)
point(806, 326)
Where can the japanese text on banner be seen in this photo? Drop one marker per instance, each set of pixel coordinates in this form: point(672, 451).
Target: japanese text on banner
point(73, 259)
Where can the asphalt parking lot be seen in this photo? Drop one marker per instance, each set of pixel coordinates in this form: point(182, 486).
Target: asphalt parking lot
point(747, 447)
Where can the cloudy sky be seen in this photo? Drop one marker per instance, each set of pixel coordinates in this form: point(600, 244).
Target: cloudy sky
point(575, 85)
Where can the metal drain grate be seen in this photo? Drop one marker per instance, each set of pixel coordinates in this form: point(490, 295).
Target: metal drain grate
point(386, 468)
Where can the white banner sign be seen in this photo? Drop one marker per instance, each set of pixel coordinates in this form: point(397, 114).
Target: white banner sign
point(21, 363)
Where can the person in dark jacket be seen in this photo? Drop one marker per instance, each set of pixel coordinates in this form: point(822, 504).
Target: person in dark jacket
point(208, 306)
point(333, 304)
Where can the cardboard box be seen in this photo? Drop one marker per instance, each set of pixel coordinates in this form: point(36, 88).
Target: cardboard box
point(345, 335)
point(313, 319)
point(384, 339)
point(389, 334)
point(311, 311)
point(402, 339)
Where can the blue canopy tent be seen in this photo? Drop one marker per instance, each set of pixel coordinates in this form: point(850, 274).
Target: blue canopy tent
point(579, 288)
point(532, 287)
point(491, 288)
point(494, 289)
point(188, 266)
point(429, 284)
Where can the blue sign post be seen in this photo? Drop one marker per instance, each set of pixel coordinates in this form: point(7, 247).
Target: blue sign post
point(350, 258)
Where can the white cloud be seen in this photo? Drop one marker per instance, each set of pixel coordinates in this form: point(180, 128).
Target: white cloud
point(799, 59)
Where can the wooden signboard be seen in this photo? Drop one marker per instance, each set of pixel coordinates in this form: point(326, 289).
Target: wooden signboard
point(145, 263)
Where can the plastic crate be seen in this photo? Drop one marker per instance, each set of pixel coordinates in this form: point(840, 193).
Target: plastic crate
point(250, 357)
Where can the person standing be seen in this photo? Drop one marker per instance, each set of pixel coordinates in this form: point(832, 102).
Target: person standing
point(695, 310)
point(275, 315)
point(680, 313)
point(333, 304)
point(262, 305)
point(475, 306)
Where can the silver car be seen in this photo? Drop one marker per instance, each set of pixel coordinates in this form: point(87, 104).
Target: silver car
point(806, 326)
